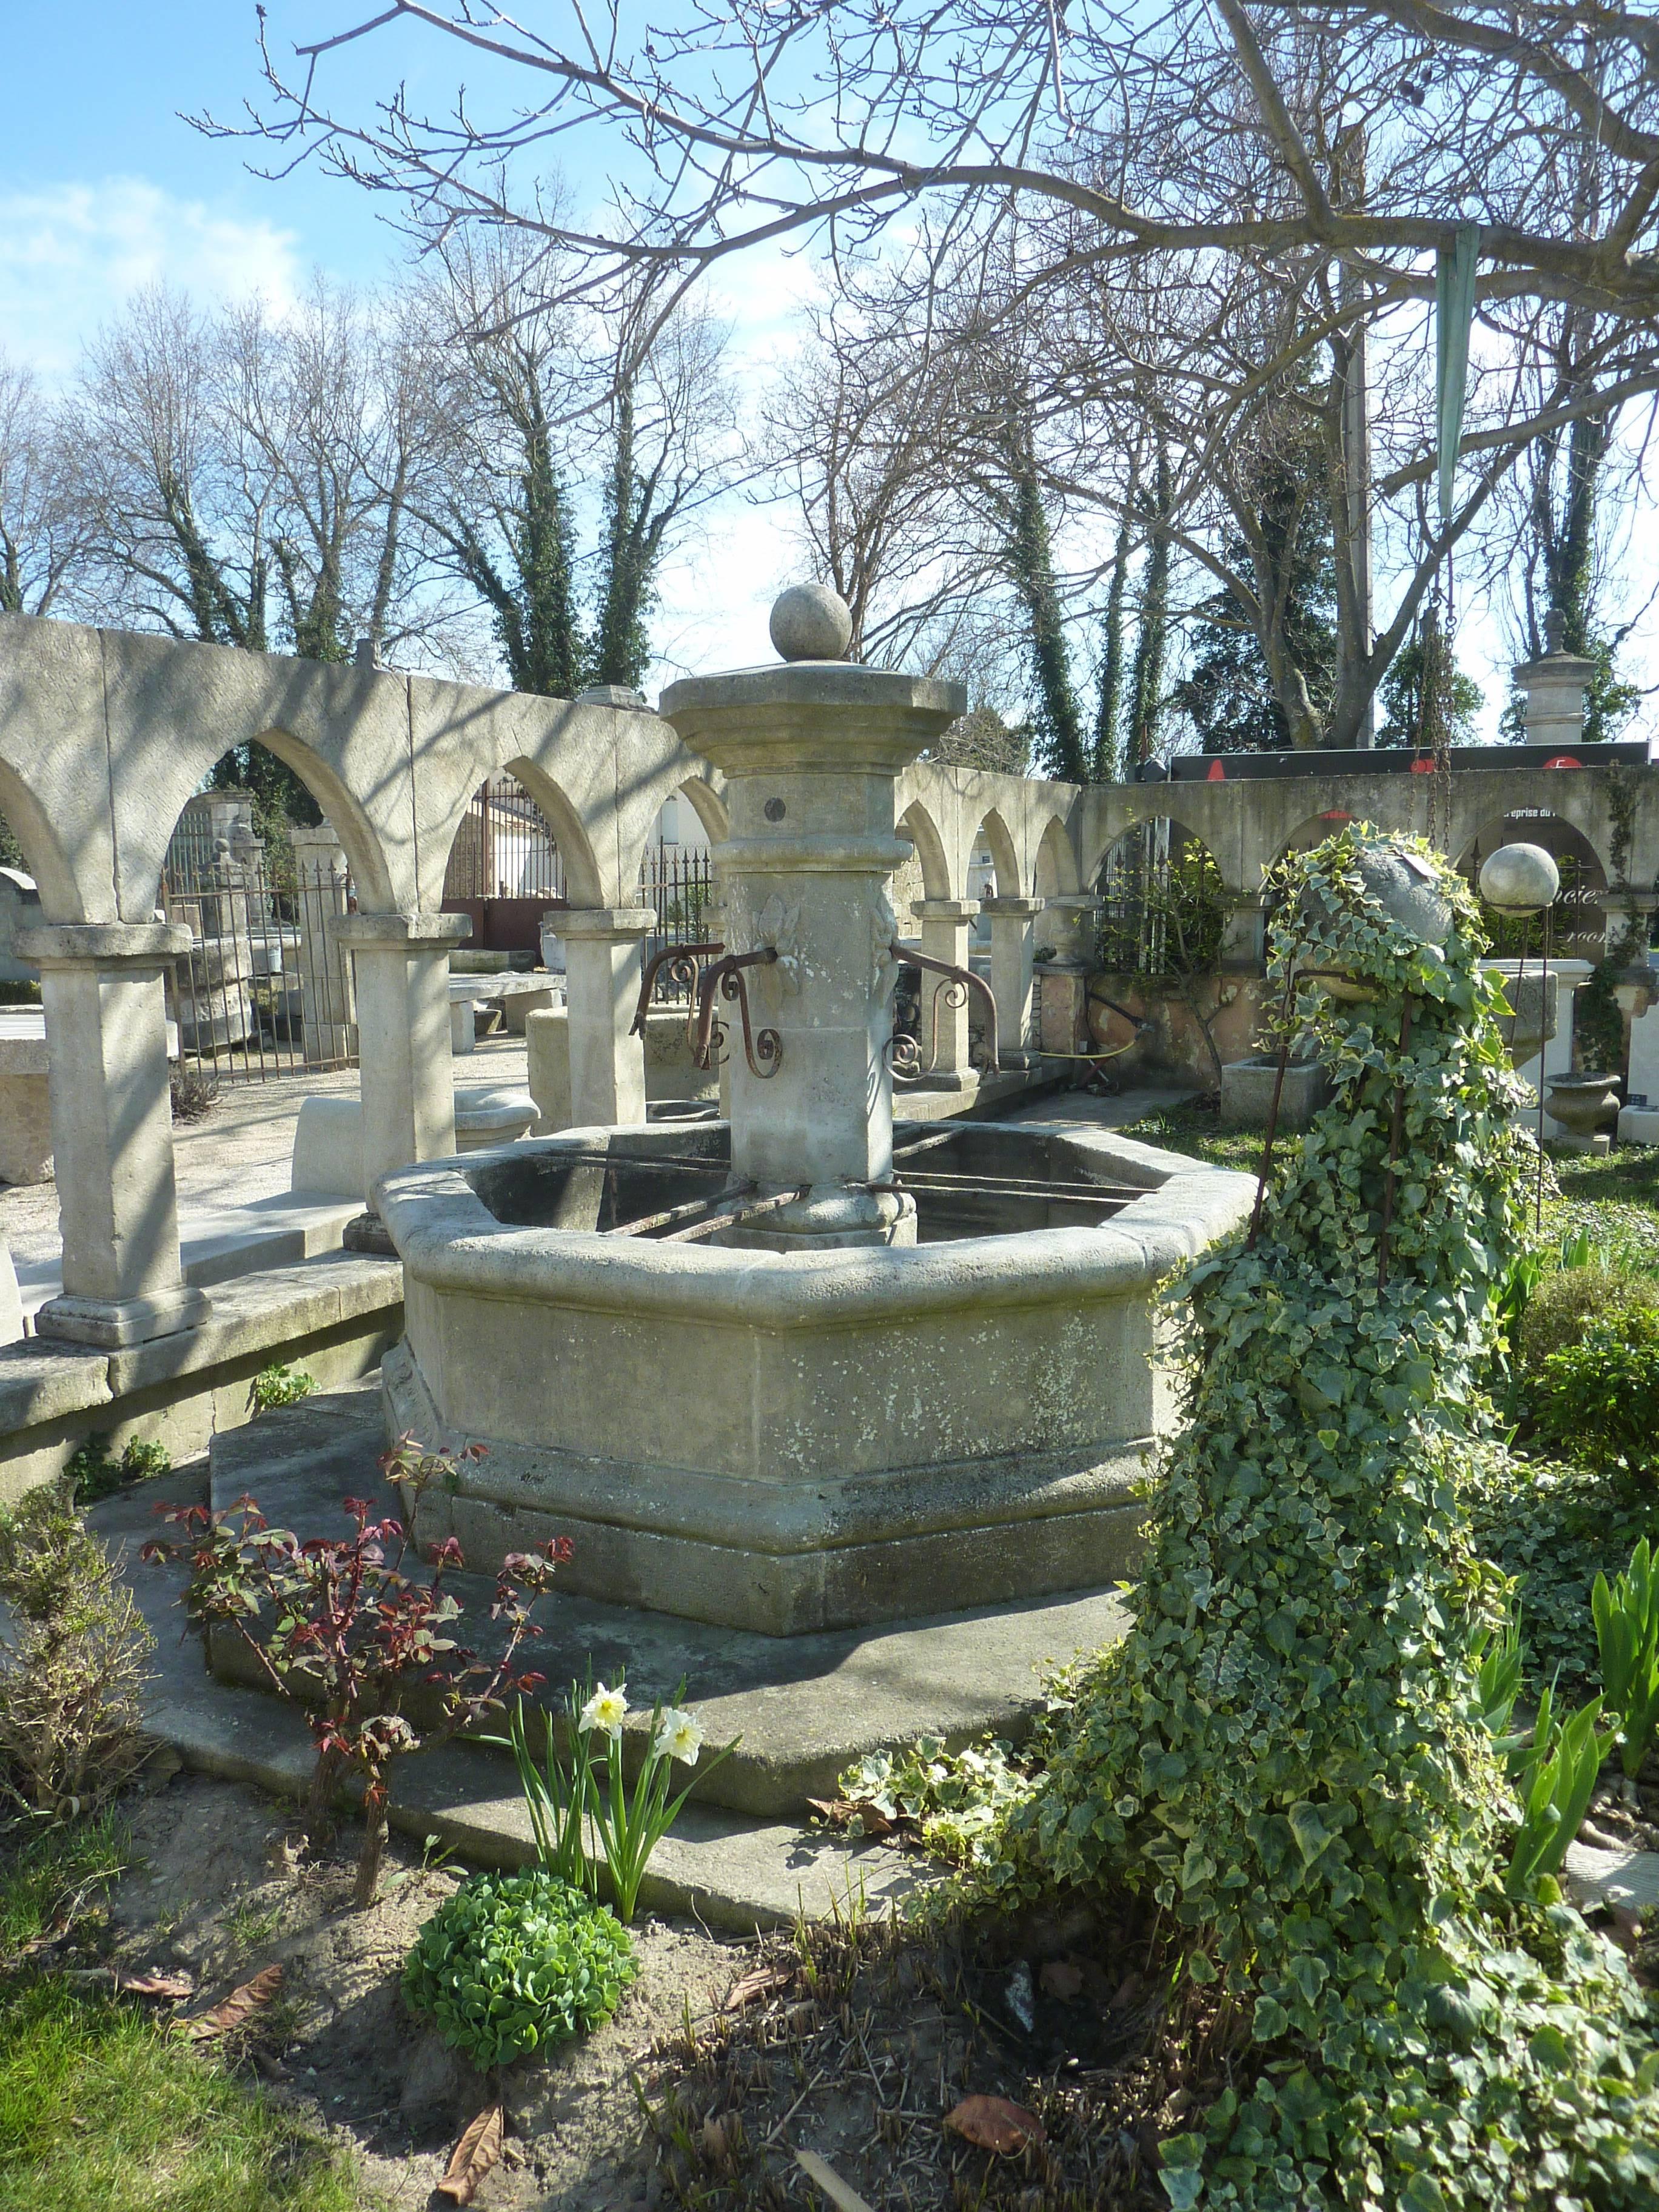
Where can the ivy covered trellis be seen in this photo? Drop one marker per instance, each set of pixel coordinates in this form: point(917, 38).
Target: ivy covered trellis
point(1289, 1750)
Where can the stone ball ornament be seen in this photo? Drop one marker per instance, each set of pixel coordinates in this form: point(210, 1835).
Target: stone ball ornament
point(1520, 879)
point(811, 623)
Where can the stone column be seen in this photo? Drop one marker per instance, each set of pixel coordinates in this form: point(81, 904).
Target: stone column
point(1555, 685)
point(112, 1132)
point(945, 925)
point(1013, 944)
point(408, 1090)
point(604, 958)
point(812, 751)
point(1243, 934)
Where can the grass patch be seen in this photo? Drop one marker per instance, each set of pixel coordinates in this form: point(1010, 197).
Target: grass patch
point(59, 1872)
point(1197, 1131)
point(101, 2110)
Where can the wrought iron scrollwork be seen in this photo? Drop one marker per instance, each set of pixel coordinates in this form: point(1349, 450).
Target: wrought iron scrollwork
point(679, 962)
point(762, 1049)
point(903, 1053)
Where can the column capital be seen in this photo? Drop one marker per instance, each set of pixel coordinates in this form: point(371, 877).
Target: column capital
point(932, 910)
point(1075, 902)
point(104, 943)
point(413, 932)
point(1022, 908)
point(604, 925)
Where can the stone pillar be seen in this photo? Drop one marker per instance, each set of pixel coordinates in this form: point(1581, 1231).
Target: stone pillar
point(1013, 944)
point(112, 1132)
point(1067, 929)
point(402, 968)
point(945, 926)
point(812, 751)
point(1554, 686)
point(327, 1010)
point(604, 958)
point(1570, 976)
point(1243, 934)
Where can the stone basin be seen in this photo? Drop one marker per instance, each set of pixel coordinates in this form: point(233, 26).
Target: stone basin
point(796, 1440)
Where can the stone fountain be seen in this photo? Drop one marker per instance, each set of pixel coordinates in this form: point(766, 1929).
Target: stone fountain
point(797, 1371)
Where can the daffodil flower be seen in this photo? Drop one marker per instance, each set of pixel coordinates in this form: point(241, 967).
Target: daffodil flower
point(605, 1709)
point(678, 1736)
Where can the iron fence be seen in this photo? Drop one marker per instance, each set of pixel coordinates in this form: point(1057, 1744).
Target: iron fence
point(680, 886)
point(266, 989)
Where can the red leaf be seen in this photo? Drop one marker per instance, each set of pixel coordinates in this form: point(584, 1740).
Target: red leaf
point(473, 2156)
point(239, 2007)
point(995, 2125)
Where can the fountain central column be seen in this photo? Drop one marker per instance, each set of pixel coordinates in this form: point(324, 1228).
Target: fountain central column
point(811, 750)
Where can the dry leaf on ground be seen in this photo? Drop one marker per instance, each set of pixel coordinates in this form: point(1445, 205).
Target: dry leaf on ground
point(473, 2156)
point(239, 2007)
point(1060, 1979)
point(155, 1985)
point(764, 1982)
point(994, 2123)
point(819, 2171)
point(843, 1812)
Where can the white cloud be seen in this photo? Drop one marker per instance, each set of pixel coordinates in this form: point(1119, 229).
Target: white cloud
point(71, 254)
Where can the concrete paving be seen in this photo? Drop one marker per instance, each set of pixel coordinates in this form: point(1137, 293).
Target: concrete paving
point(236, 1213)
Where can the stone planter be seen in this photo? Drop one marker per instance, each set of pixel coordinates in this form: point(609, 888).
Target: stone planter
point(1586, 1106)
point(1247, 1092)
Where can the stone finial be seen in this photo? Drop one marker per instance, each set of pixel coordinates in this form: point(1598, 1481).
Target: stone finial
point(811, 623)
point(1520, 879)
point(1555, 630)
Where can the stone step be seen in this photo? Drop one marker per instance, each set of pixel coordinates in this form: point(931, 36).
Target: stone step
point(727, 1870)
point(799, 1709)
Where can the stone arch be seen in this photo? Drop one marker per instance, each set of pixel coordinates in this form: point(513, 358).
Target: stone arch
point(1580, 924)
point(44, 855)
point(583, 882)
point(919, 826)
point(995, 834)
point(350, 822)
point(709, 807)
point(1055, 873)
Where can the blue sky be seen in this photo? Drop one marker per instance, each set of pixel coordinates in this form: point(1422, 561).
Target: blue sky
point(103, 187)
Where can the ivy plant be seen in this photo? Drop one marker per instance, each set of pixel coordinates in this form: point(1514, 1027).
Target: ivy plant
point(1288, 1751)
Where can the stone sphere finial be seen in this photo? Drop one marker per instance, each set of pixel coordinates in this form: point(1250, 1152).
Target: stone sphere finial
point(1520, 879)
point(811, 623)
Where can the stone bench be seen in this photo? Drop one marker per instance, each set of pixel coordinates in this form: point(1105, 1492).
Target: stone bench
point(328, 1147)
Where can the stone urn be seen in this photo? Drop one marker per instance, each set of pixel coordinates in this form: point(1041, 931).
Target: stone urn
point(1404, 887)
point(1585, 1105)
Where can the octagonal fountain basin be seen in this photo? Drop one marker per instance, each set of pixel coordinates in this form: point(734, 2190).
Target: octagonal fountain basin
point(787, 1441)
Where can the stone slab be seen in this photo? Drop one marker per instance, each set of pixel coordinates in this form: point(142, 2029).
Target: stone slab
point(1627, 1878)
point(731, 1872)
point(1638, 1125)
point(803, 1707)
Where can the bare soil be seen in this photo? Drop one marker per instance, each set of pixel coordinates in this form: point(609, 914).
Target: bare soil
point(853, 2040)
point(216, 1889)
